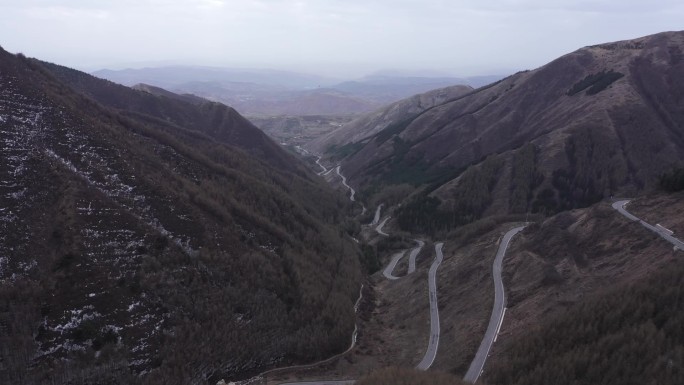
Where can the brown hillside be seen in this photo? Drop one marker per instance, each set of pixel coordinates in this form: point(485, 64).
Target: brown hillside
point(218, 121)
point(601, 121)
point(371, 123)
point(594, 296)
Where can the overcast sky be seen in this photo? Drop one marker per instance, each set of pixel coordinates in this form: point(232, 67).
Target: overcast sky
point(334, 37)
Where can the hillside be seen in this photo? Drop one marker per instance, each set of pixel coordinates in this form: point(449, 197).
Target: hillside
point(142, 241)
point(594, 298)
point(352, 134)
point(220, 122)
point(168, 94)
point(604, 120)
point(299, 130)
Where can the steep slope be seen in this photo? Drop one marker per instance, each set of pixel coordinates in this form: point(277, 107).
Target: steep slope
point(603, 120)
point(389, 88)
point(190, 98)
point(216, 120)
point(353, 134)
point(135, 249)
point(595, 297)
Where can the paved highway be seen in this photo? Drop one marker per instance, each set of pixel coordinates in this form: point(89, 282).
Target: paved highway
point(392, 265)
point(381, 225)
point(498, 311)
point(431, 351)
point(344, 182)
point(398, 256)
point(376, 218)
point(328, 172)
point(413, 255)
point(433, 343)
point(662, 232)
point(336, 382)
point(318, 162)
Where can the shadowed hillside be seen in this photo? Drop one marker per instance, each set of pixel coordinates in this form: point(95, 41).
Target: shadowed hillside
point(159, 107)
point(140, 235)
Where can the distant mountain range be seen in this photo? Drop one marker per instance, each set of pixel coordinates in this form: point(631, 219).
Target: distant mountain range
point(275, 93)
point(604, 120)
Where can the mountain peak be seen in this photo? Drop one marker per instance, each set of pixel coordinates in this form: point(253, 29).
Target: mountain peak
point(600, 121)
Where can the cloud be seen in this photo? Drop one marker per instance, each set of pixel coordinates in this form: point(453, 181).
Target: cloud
point(459, 36)
point(62, 13)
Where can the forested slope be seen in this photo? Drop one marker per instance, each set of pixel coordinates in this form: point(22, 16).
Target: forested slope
point(603, 120)
point(630, 335)
point(133, 245)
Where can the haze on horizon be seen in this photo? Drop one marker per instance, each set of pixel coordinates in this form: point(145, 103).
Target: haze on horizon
point(342, 38)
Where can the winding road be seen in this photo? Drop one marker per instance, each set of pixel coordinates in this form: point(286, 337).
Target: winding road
point(392, 265)
point(433, 342)
point(381, 225)
point(498, 310)
point(344, 182)
point(335, 382)
point(413, 255)
point(328, 172)
point(431, 351)
point(398, 256)
point(318, 162)
point(376, 218)
point(661, 231)
point(354, 334)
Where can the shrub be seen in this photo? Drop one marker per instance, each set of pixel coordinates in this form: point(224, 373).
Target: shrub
point(673, 180)
point(595, 82)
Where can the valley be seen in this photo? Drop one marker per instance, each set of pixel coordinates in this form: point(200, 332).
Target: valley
point(356, 232)
point(496, 323)
point(490, 194)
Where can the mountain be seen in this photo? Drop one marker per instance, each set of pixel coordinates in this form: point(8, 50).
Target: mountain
point(327, 102)
point(594, 296)
point(148, 238)
point(387, 89)
point(172, 76)
point(604, 120)
point(190, 98)
point(265, 93)
point(374, 122)
point(220, 122)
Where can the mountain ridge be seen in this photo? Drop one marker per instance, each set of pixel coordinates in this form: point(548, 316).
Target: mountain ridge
point(489, 128)
point(255, 94)
point(221, 122)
